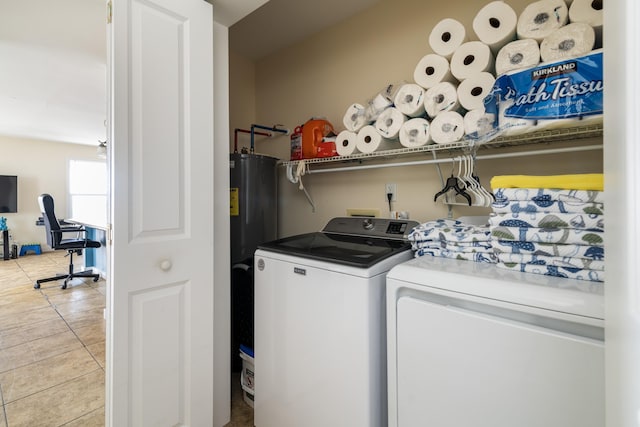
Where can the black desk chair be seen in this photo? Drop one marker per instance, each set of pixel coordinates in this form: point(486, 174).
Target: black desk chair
point(56, 241)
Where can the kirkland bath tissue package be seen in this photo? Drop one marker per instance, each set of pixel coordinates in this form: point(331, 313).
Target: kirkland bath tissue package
point(554, 90)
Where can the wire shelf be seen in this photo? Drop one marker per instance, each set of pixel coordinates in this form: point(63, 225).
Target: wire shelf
point(550, 135)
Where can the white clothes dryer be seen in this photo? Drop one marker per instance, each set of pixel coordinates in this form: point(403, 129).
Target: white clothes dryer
point(320, 327)
point(472, 345)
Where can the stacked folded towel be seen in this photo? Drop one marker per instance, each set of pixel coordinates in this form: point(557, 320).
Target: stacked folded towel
point(555, 230)
point(452, 239)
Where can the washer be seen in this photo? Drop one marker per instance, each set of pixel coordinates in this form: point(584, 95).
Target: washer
point(320, 324)
point(472, 345)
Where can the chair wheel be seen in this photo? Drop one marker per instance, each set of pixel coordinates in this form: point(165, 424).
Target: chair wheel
point(95, 279)
point(36, 286)
point(64, 285)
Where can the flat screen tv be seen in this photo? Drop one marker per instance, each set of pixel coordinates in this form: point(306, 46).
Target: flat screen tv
point(8, 194)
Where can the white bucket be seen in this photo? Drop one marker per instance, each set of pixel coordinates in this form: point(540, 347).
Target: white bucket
point(246, 378)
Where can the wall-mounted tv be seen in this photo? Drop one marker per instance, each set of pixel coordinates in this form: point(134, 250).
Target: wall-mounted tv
point(8, 194)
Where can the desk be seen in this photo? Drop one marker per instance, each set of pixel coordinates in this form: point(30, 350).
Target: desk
point(95, 258)
point(5, 244)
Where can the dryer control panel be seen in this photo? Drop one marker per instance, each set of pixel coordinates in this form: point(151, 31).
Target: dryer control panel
point(395, 229)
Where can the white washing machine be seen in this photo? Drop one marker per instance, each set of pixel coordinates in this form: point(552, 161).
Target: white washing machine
point(472, 345)
point(320, 330)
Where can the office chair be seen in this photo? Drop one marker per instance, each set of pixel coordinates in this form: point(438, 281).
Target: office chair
point(55, 234)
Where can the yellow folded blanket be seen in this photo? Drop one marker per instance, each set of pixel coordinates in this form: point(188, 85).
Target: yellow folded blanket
point(587, 181)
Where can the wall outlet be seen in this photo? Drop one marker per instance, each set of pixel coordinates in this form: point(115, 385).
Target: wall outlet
point(390, 188)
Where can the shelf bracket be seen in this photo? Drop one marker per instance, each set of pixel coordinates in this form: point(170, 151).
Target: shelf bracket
point(296, 178)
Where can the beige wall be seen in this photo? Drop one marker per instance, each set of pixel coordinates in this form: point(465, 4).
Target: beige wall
point(350, 62)
point(242, 105)
point(41, 167)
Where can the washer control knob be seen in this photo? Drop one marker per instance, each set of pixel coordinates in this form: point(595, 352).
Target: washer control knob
point(367, 223)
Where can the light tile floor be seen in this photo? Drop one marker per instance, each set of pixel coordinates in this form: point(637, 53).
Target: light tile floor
point(52, 348)
point(52, 341)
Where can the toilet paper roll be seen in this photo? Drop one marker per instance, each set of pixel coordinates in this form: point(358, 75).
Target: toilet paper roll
point(588, 12)
point(415, 133)
point(441, 98)
point(512, 125)
point(517, 55)
point(567, 42)
point(473, 91)
point(410, 100)
point(389, 123)
point(478, 123)
point(541, 18)
point(447, 127)
point(447, 36)
point(355, 117)
point(495, 25)
point(431, 70)
point(346, 143)
point(376, 105)
point(471, 58)
point(369, 141)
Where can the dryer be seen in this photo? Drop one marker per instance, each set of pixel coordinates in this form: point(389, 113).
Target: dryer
point(473, 345)
point(320, 350)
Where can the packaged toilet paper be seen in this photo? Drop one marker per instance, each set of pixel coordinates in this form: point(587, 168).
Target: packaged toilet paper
point(415, 133)
point(478, 124)
point(355, 117)
point(389, 123)
point(558, 90)
point(440, 98)
point(517, 55)
point(567, 42)
point(447, 127)
point(410, 100)
point(588, 12)
point(541, 18)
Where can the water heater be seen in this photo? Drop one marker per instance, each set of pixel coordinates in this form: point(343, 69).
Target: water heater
point(254, 203)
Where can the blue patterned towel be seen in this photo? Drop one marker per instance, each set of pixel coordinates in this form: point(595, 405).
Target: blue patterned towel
point(450, 231)
point(453, 247)
point(551, 206)
point(569, 262)
point(546, 195)
point(444, 253)
point(548, 270)
point(548, 220)
point(547, 249)
point(549, 235)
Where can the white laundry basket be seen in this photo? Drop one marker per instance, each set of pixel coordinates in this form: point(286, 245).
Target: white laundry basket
point(246, 377)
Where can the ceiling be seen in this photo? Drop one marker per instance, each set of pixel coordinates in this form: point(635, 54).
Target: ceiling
point(280, 23)
point(53, 58)
point(53, 70)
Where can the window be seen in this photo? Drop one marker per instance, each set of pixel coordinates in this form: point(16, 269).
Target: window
point(88, 191)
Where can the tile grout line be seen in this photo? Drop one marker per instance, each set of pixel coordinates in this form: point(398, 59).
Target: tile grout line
point(98, 368)
point(73, 331)
point(4, 409)
point(66, 381)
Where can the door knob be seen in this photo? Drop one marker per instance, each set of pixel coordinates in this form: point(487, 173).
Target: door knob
point(165, 265)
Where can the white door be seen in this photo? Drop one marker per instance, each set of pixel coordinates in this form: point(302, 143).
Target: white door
point(160, 298)
point(622, 190)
